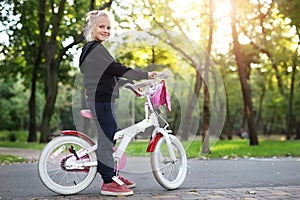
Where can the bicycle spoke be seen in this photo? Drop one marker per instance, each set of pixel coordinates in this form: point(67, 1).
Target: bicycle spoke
point(54, 175)
point(75, 179)
point(58, 151)
point(54, 169)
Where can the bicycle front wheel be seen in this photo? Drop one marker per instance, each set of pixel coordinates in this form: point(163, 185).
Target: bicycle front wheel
point(53, 165)
point(168, 173)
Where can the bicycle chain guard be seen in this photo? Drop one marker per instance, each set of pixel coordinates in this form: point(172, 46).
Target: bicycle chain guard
point(65, 159)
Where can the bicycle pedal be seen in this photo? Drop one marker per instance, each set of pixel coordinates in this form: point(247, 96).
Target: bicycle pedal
point(117, 180)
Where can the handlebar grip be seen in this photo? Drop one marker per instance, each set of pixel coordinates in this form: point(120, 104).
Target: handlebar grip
point(132, 88)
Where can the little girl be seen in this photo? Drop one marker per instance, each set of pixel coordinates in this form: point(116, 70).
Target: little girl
point(101, 81)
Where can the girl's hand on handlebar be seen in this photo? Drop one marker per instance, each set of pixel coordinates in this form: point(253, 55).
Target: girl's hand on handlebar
point(151, 75)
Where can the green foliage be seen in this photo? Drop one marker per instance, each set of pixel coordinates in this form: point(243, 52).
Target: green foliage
point(12, 105)
point(290, 9)
point(270, 29)
point(63, 117)
point(18, 136)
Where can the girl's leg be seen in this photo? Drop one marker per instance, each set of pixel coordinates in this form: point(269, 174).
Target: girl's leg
point(107, 127)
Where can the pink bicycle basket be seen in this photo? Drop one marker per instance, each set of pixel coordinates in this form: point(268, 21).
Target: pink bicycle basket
point(161, 97)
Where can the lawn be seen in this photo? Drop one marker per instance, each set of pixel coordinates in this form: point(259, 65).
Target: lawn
point(266, 148)
point(231, 149)
point(236, 148)
point(8, 159)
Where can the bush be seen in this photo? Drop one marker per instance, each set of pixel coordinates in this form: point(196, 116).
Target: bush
point(12, 137)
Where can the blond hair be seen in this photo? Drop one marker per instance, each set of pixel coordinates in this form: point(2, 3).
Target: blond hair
point(92, 19)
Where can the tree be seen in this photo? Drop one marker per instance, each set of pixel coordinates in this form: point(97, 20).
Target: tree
point(291, 10)
point(24, 45)
point(190, 50)
point(163, 22)
point(206, 112)
point(13, 108)
point(248, 108)
point(267, 38)
point(175, 31)
point(278, 50)
point(44, 38)
point(54, 53)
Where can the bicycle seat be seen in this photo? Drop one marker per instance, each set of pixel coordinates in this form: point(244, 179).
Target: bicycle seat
point(87, 114)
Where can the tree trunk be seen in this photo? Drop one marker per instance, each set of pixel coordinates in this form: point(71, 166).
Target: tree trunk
point(53, 58)
point(52, 65)
point(206, 111)
point(32, 136)
point(297, 127)
point(206, 116)
point(187, 120)
point(260, 106)
point(51, 93)
point(228, 123)
point(243, 80)
point(289, 118)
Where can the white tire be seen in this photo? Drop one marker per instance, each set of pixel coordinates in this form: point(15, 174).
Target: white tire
point(168, 174)
point(51, 166)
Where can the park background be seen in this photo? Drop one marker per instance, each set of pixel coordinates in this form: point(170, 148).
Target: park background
point(233, 58)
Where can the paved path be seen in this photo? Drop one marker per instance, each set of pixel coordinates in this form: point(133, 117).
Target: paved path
point(207, 179)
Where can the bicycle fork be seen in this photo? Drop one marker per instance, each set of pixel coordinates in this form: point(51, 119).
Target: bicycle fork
point(165, 133)
point(157, 134)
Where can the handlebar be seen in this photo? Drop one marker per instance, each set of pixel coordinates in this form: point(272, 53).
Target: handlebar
point(137, 86)
point(164, 75)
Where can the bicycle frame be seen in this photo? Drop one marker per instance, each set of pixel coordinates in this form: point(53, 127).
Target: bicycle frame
point(127, 134)
point(68, 164)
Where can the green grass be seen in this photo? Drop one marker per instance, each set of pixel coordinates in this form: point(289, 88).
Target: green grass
point(22, 145)
point(230, 149)
point(219, 149)
point(18, 139)
point(266, 148)
point(8, 159)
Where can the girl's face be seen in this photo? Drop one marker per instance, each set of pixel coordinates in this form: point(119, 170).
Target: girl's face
point(102, 30)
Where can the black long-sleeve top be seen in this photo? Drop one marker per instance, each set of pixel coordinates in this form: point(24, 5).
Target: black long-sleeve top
point(101, 73)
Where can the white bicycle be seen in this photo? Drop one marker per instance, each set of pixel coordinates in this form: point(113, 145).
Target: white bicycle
point(68, 163)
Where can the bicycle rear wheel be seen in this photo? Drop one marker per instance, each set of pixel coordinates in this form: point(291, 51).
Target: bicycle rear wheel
point(53, 161)
point(169, 174)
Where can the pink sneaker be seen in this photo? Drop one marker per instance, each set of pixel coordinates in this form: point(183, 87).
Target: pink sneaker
point(128, 183)
point(115, 189)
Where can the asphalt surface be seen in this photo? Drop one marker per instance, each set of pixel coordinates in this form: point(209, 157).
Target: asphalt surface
point(271, 178)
